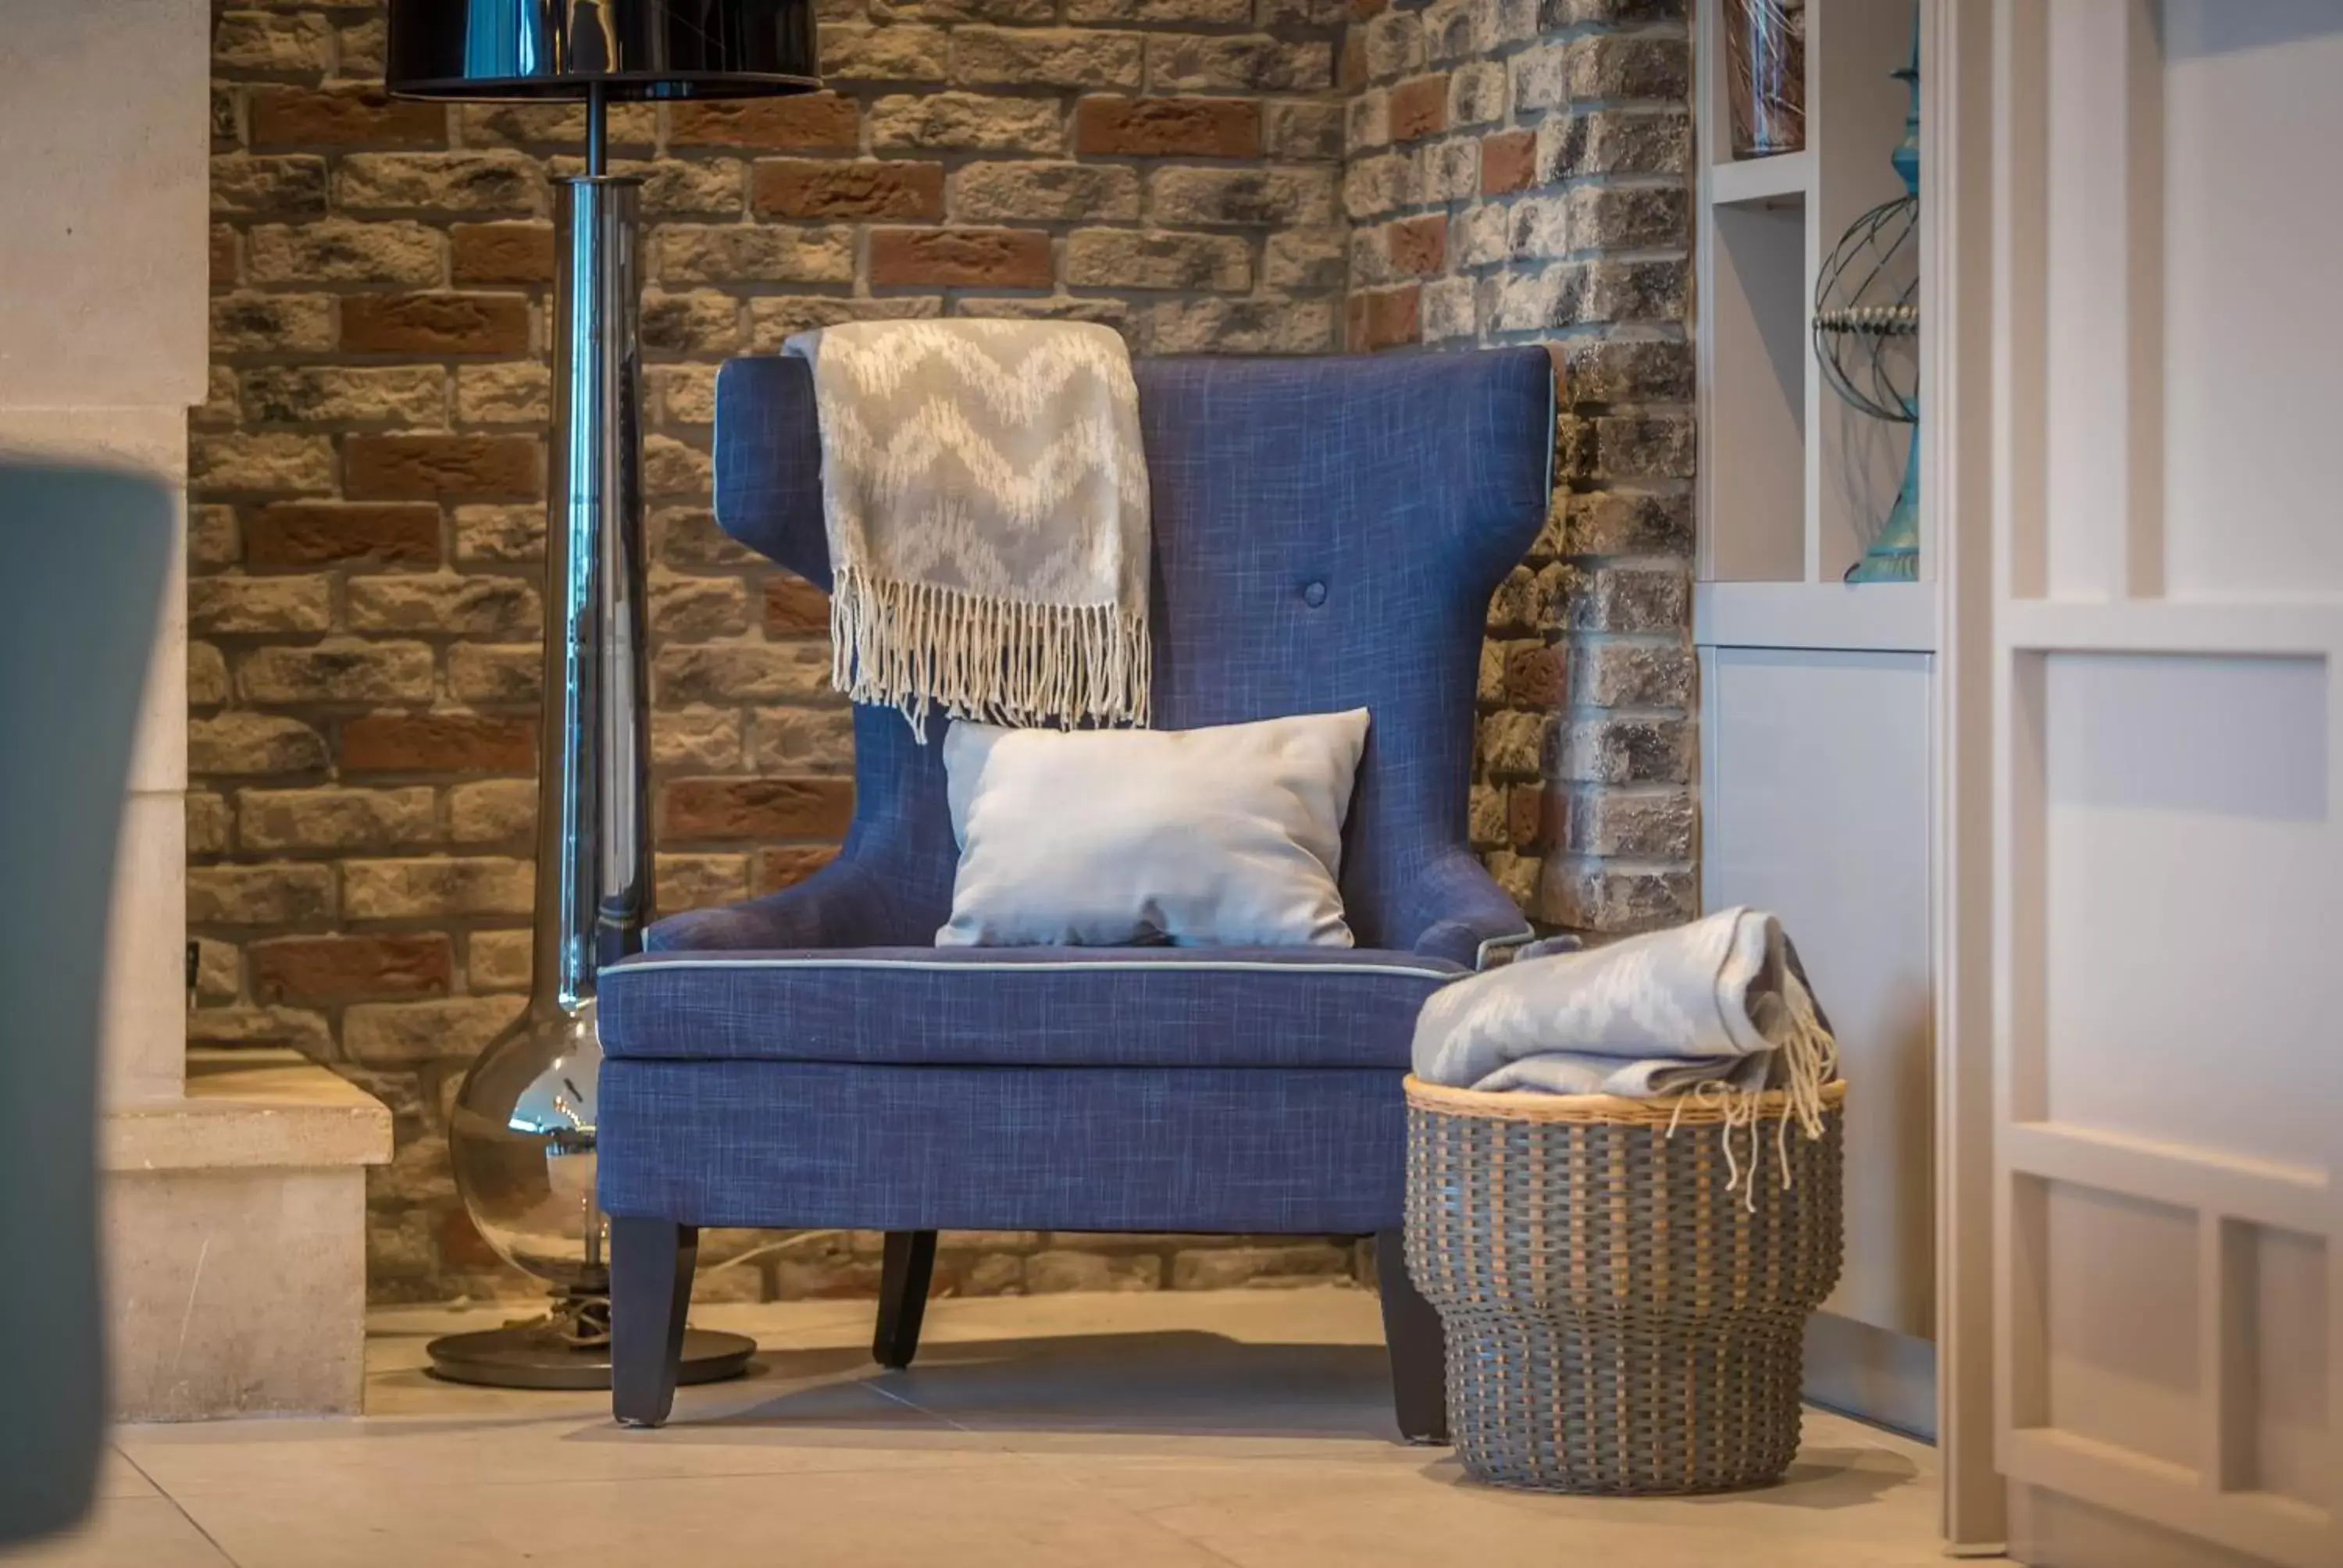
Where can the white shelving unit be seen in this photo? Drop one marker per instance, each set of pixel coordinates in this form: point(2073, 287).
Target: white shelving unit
point(1817, 719)
point(1793, 480)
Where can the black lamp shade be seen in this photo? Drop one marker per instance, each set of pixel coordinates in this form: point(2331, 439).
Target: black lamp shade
point(634, 49)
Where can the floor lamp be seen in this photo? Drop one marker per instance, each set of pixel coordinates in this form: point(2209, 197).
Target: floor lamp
point(522, 1134)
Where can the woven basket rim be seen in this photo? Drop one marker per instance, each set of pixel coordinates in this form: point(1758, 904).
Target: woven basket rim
point(1682, 1110)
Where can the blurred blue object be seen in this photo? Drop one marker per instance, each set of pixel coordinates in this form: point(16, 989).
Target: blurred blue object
point(83, 555)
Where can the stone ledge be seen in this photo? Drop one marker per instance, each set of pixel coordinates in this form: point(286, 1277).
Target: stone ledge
point(250, 1109)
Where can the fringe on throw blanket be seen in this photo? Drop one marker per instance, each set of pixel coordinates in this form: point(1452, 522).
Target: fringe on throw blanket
point(985, 498)
point(912, 646)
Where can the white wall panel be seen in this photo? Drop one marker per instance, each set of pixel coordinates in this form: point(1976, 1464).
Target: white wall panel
point(1816, 780)
point(2186, 883)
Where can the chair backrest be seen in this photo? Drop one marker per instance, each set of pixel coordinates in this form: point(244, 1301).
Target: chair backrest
point(1327, 534)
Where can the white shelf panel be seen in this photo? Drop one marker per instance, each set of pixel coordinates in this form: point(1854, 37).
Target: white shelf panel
point(2280, 628)
point(1895, 617)
point(1779, 180)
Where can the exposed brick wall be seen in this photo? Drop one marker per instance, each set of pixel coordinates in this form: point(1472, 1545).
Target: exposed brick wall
point(1519, 171)
point(368, 476)
point(368, 470)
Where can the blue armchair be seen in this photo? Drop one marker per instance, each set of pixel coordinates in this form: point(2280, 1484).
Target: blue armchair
point(1327, 532)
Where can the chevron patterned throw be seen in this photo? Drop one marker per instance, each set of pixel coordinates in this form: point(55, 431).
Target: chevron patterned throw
point(986, 499)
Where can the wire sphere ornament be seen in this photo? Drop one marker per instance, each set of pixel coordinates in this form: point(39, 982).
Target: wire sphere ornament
point(1868, 335)
point(1867, 314)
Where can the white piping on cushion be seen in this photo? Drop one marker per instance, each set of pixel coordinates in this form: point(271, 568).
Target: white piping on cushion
point(1053, 966)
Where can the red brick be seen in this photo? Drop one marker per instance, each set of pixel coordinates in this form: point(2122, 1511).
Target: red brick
point(438, 743)
point(1420, 245)
point(756, 808)
point(808, 187)
point(502, 251)
point(960, 258)
point(807, 122)
point(1174, 127)
point(795, 608)
point(1508, 162)
point(294, 536)
point(461, 1245)
point(223, 266)
point(1386, 318)
point(423, 467)
point(1526, 817)
point(1534, 676)
point(1350, 72)
point(786, 865)
point(1419, 107)
point(341, 968)
point(286, 116)
point(435, 324)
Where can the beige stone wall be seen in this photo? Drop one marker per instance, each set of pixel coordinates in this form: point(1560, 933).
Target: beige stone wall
point(366, 607)
point(1227, 175)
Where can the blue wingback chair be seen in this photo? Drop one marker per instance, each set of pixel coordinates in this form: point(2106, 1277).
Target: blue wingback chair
point(1327, 532)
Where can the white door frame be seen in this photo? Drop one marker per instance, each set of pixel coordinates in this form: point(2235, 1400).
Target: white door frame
point(1956, 183)
point(1992, 487)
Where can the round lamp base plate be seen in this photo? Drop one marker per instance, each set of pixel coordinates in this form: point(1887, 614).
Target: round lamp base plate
point(526, 1355)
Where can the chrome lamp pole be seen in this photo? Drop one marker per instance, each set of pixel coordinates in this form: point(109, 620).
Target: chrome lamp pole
point(522, 1133)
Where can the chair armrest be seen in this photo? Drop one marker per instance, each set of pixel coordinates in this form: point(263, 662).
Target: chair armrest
point(838, 906)
point(1457, 911)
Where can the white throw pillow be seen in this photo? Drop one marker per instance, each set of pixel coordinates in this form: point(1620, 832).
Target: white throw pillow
point(1227, 837)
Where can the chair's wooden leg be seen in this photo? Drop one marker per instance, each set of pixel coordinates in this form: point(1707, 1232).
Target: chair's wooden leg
point(650, 1286)
point(909, 1264)
point(1419, 1356)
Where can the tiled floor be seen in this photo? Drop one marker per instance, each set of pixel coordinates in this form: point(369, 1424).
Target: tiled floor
point(1174, 1430)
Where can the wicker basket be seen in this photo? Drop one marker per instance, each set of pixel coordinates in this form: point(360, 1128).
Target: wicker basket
point(1618, 1321)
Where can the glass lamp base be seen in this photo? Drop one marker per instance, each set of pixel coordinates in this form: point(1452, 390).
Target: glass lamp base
point(570, 1348)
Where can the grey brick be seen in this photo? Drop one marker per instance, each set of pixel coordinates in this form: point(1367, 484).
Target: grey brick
point(1611, 672)
point(289, 187)
point(291, 44)
point(1614, 142)
point(1627, 522)
point(977, 121)
point(749, 253)
point(1632, 598)
point(1394, 45)
point(1476, 94)
point(1618, 369)
point(1383, 183)
point(1304, 261)
point(411, 395)
point(1448, 310)
point(1164, 12)
point(1646, 822)
point(1044, 191)
point(772, 319)
point(1300, 131)
point(1242, 327)
point(1046, 57)
point(1616, 750)
point(1248, 63)
point(896, 54)
point(1456, 30)
point(1281, 198)
point(1133, 258)
point(694, 321)
point(1579, 893)
point(343, 250)
point(495, 181)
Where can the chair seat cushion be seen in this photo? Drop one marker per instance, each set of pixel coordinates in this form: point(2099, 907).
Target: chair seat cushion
point(1023, 1007)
